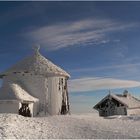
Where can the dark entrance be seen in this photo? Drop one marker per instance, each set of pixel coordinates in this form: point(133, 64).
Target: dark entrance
point(24, 110)
point(63, 108)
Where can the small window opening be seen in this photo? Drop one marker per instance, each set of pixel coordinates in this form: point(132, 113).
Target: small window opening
point(65, 87)
point(26, 72)
point(62, 81)
point(63, 108)
point(19, 72)
point(59, 85)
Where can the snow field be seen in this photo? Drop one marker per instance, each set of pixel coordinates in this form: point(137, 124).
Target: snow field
point(69, 126)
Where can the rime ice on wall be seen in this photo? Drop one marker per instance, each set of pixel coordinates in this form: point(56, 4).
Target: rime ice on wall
point(36, 82)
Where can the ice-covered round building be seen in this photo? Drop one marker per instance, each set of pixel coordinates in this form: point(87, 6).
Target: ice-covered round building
point(34, 84)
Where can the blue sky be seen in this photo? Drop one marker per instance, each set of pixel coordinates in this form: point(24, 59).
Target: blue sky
point(96, 42)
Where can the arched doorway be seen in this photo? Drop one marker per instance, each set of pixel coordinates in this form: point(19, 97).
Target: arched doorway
point(25, 110)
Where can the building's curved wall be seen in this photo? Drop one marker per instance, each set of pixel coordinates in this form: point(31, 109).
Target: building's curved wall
point(47, 89)
point(9, 106)
point(56, 94)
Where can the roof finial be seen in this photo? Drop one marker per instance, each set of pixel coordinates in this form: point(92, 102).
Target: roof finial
point(36, 48)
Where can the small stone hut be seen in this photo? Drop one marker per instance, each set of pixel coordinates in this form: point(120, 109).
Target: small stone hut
point(36, 84)
point(118, 104)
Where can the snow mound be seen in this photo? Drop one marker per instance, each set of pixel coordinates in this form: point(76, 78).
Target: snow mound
point(131, 117)
point(69, 126)
point(114, 117)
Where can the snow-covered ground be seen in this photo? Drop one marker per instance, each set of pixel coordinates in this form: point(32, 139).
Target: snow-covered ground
point(69, 126)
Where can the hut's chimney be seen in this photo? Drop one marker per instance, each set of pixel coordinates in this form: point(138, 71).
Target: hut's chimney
point(125, 93)
point(109, 91)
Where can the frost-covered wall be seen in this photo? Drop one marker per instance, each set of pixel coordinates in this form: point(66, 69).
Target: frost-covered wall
point(35, 108)
point(9, 106)
point(49, 90)
point(55, 94)
point(35, 85)
point(120, 110)
point(5, 91)
point(135, 111)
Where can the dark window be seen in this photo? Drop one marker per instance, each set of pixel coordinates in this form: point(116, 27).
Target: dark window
point(25, 71)
point(65, 87)
point(59, 84)
point(62, 81)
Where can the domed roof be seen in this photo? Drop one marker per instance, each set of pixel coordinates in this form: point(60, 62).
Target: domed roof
point(36, 64)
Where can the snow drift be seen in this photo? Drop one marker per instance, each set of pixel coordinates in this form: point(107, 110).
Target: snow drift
point(70, 126)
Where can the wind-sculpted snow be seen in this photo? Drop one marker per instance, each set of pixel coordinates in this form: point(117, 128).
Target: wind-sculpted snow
point(70, 126)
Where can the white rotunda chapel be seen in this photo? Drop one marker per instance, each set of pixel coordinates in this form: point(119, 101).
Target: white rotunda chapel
point(36, 84)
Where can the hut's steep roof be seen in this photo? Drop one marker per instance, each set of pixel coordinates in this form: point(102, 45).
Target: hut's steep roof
point(128, 100)
point(37, 64)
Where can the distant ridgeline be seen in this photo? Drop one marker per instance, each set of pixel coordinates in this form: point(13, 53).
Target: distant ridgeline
point(34, 85)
